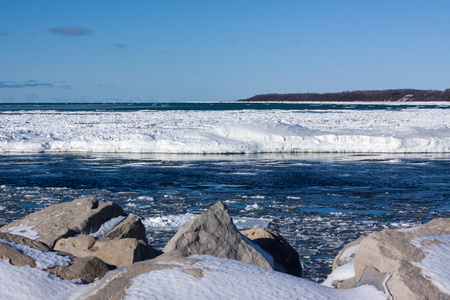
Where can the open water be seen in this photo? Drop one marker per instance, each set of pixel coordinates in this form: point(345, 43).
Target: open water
point(318, 202)
point(215, 106)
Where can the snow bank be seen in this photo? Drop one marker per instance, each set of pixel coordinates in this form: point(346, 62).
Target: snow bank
point(229, 279)
point(243, 131)
point(222, 279)
point(33, 283)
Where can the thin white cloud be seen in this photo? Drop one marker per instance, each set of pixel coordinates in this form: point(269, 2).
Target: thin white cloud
point(71, 30)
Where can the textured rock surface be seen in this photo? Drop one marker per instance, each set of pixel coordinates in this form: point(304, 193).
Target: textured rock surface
point(15, 257)
point(391, 252)
point(118, 253)
point(81, 216)
point(285, 257)
point(131, 227)
point(213, 233)
point(85, 268)
point(18, 239)
point(114, 284)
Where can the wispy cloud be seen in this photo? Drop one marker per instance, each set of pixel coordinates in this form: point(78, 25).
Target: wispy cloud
point(30, 84)
point(71, 30)
point(121, 45)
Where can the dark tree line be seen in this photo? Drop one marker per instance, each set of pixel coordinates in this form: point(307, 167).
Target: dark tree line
point(407, 95)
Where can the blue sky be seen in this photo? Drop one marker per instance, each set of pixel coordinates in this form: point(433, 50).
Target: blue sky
point(109, 51)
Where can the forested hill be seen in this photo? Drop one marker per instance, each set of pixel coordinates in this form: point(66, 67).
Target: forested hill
point(399, 95)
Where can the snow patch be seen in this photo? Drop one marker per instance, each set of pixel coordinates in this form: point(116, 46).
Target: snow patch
point(435, 264)
point(107, 226)
point(24, 230)
point(44, 260)
point(346, 255)
point(341, 273)
point(29, 283)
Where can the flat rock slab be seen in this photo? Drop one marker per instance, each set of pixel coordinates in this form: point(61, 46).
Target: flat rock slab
point(118, 253)
point(214, 233)
point(81, 216)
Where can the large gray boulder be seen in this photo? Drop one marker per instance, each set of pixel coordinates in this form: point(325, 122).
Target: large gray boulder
point(286, 258)
point(391, 259)
point(118, 253)
point(81, 216)
point(213, 233)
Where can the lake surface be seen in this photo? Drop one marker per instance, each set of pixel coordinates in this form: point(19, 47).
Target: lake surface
point(215, 106)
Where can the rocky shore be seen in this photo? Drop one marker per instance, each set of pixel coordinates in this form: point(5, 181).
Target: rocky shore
point(89, 249)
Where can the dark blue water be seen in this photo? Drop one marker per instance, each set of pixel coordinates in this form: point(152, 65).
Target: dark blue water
point(317, 202)
point(210, 106)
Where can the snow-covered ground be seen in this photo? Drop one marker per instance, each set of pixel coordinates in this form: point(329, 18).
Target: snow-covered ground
point(240, 131)
point(222, 279)
point(228, 279)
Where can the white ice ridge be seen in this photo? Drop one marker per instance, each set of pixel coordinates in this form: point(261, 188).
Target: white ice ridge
point(241, 131)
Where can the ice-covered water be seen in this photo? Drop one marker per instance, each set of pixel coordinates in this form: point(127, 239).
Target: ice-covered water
point(178, 129)
point(318, 202)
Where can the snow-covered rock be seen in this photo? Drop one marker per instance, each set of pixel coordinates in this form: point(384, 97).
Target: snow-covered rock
point(81, 216)
point(118, 253)
point(409, 263)
point(209, 277)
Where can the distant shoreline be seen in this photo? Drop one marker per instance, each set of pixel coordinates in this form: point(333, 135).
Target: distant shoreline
point(396, 95)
